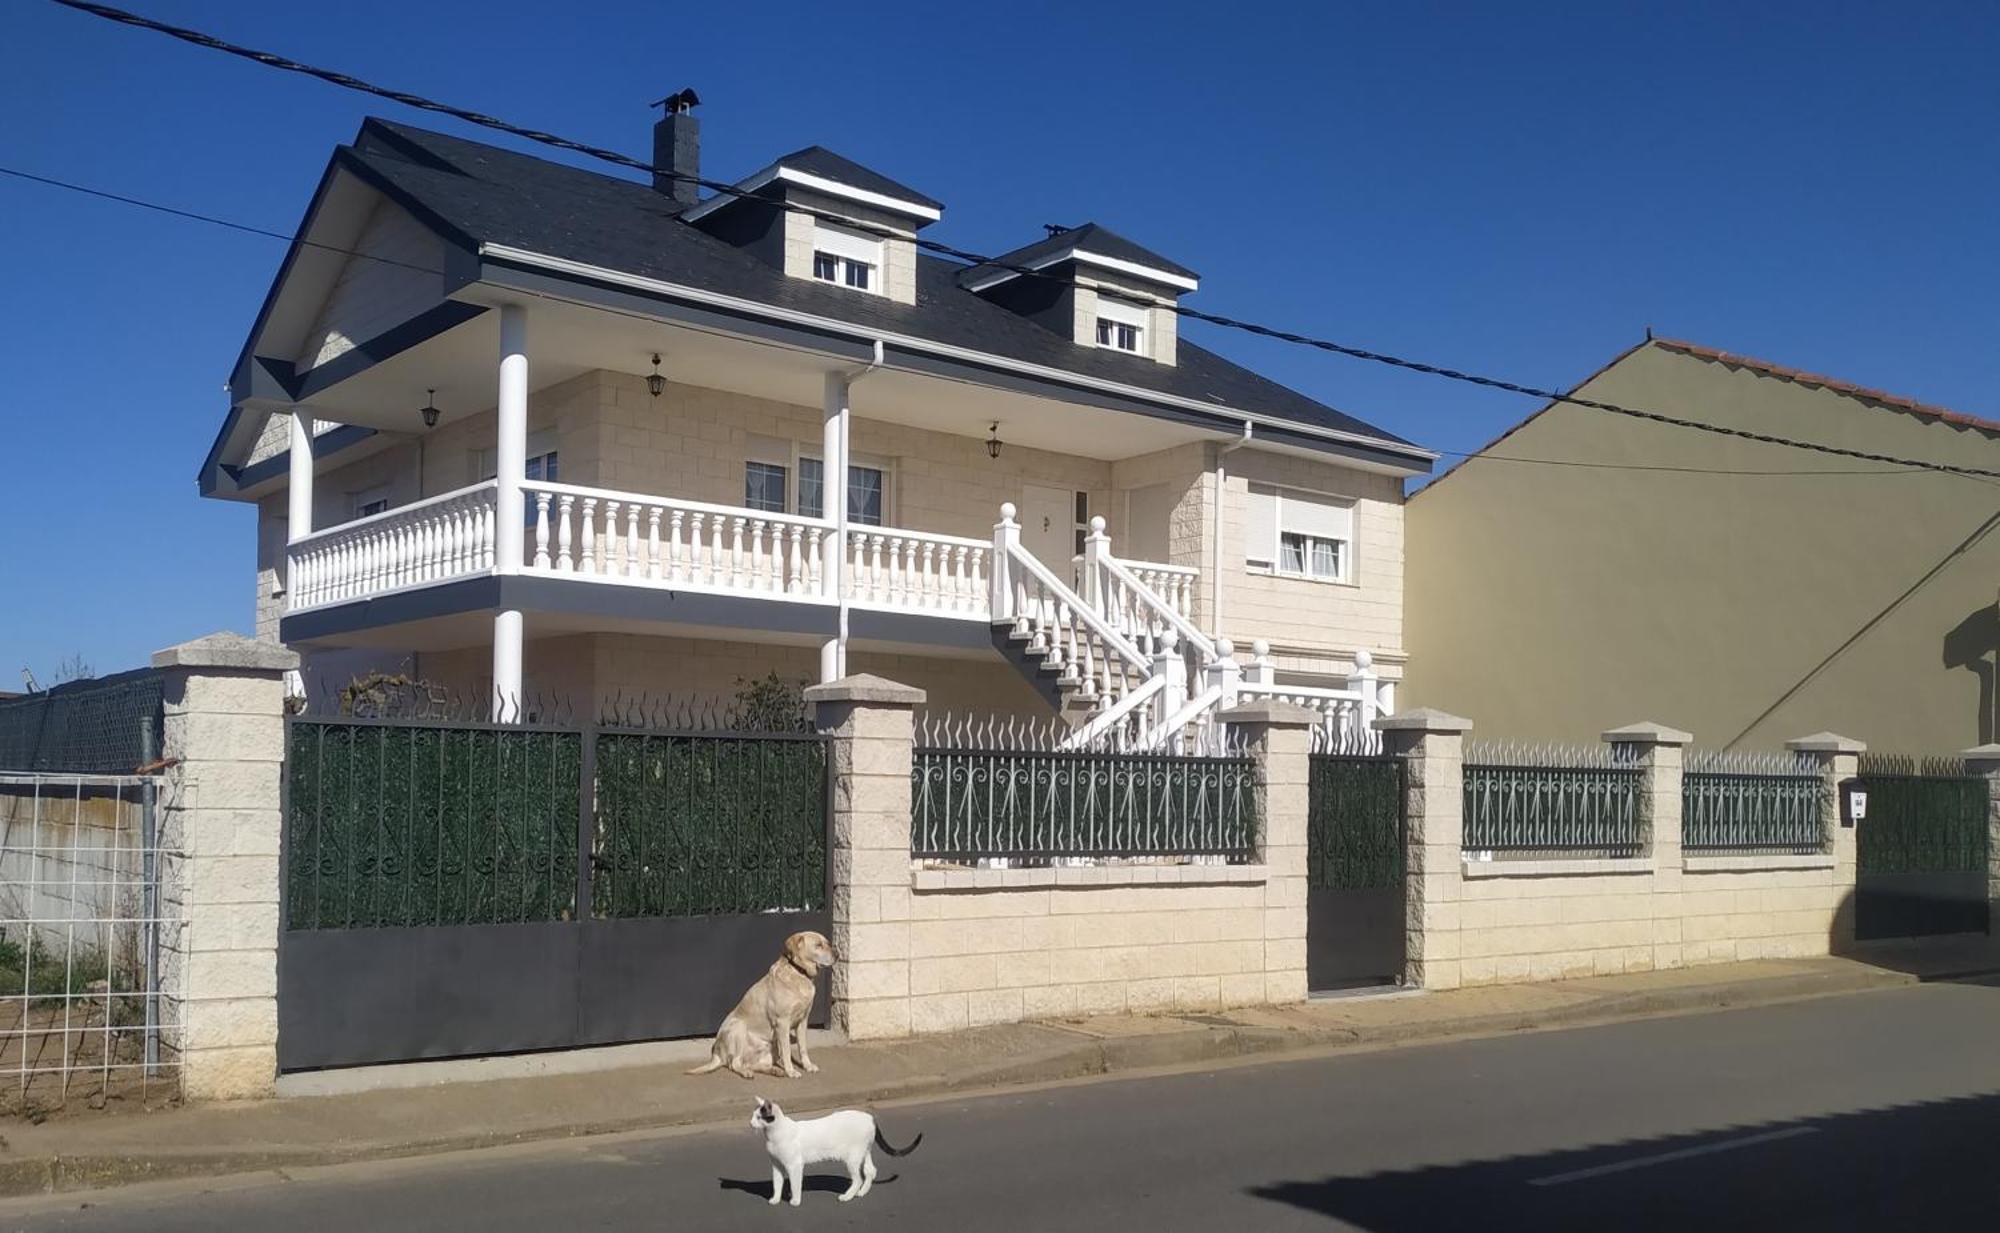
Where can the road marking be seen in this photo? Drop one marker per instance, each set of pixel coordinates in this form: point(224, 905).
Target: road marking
point(1642, 1162)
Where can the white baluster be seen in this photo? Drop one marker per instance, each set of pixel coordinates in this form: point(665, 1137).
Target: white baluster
point(735, 552)
point(880, 588)
point(675, 562)
point(927, 583)
point(976, 594)
point(653, 542)
point(586, 557)
point(632, 539)
point(757, 562)
point(857, 582)
point(795, 580)
point(565, 534)
point(486, 534)
point(613, 543)
point(717, 570)
point(814, 572)
point(541, 530)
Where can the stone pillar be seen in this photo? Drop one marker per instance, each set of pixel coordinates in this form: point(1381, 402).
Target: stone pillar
point(219, 832)
point(1984, 761)
point(1839, 760)
point(1656, 750)
point(1279, 736)
point(1432, 747)
point(872, 726)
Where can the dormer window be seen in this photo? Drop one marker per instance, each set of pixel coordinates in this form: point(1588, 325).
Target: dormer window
point(1121, 325)
point(846, 257)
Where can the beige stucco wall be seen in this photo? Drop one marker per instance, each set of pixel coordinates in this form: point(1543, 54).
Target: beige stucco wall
point(1554, 601)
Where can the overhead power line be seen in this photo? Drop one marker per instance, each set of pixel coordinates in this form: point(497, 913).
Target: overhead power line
point(420, 102)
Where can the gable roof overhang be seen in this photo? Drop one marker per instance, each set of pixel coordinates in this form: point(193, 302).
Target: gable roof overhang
point(894, 202)
point(266, 378)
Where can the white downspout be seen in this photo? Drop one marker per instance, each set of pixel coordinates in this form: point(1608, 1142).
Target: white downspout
point(835, 446)
point(1221, 490)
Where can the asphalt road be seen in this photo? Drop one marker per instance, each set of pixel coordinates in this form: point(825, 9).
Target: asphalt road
point(1876, 1111)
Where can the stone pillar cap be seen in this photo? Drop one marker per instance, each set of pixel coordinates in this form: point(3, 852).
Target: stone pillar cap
point(228, 651)
point(1827, 742)
point(1982, 753)
point(1422, 719)
point(866, 687)
point(1272, 711)
point(1646, 734)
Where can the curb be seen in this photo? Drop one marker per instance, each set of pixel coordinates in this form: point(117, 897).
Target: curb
point(1087, 1057)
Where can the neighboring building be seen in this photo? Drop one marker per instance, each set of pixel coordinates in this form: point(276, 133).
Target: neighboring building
point(565, 528)
point(1745, 591)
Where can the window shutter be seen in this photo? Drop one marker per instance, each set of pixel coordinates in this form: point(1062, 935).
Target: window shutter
point(1260, 527)
point(1310, 515)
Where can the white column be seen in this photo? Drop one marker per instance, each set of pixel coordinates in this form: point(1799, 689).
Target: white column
point(510, 465)
point(301, 511)
point(833, 492)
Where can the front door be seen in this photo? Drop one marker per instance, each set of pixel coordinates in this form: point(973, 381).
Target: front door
point(1048, 526)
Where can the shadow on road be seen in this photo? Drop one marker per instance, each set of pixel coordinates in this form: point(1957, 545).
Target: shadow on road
point(1918, 1166)
point(816, 1183)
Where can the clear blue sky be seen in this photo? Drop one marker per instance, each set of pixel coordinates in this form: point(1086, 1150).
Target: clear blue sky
point(1516, 189)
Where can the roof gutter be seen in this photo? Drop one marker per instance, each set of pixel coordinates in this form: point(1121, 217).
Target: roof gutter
point(904, 342)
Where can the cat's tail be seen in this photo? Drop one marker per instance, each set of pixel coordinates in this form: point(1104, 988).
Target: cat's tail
point(895, 1151)
point(714, 1063)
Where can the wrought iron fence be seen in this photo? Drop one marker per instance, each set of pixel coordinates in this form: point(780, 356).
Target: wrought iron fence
point(1021, 798)
point(83, 925)
point(1550, 800)
point(1747, 801)
point(702, 823)
point(104, 726)
point(1355, 823)
point(395, 822)
point(1925, 816)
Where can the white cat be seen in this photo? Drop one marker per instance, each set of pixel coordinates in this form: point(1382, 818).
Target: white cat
point(842, 1136)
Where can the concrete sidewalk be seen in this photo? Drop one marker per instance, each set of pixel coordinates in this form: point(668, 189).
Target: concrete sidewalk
point(72, 1152)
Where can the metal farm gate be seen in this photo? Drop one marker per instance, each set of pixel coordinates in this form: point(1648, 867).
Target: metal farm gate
point(457, 889)
point(1920, 850)
point(1354, 872)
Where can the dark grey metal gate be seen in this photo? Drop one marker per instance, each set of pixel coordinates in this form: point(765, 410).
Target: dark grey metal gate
point(457, 889)
point(1354, 872)
point(1920, 851)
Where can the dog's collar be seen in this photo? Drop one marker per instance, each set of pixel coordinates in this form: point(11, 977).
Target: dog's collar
point(808, 973)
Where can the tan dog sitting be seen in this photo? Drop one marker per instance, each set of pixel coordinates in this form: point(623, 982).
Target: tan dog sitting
point(769, 1024)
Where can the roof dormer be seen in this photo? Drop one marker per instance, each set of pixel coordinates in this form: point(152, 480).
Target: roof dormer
point(1101, 290)
point(860, 234)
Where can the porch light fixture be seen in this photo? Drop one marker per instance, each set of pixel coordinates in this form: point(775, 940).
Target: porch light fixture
point(431, 410)
point(656, 384)
point(993, 442)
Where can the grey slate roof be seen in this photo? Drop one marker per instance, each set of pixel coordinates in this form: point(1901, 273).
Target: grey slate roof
point(477, 193)
point(1089, 238)
point(824, 163)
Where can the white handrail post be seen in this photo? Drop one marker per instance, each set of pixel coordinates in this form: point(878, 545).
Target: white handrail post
point(1261, 670)
point(1362, 682)
point(1096, 551)
point(1225, 673)
point(1168, 662)
point(1006, 538)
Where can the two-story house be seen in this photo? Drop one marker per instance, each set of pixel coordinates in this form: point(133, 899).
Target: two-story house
point(526, 428)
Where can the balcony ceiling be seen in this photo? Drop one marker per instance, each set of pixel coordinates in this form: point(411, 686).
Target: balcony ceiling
point(566, 340)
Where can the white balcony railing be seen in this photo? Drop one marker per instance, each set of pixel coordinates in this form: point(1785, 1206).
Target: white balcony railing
point(918, 571)
point(435, 540)
point(630, 537)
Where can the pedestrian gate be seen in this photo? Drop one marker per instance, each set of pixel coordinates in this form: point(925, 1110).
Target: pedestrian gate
point(1354, 872)
point(464, 889)
point(1920, 850)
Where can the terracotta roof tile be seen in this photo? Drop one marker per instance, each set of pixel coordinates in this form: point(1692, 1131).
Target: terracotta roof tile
point(1893, 401)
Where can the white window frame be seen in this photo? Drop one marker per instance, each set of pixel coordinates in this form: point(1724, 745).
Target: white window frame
point(1273, 563)
point(869, 461)
point(1116, 313)
point(848, 248)
point(485, 463)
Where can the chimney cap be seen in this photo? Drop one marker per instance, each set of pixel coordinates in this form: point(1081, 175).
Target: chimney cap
point(680, 102)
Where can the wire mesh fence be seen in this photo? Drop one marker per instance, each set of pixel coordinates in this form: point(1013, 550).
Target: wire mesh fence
point(103, 726)
point(84, 930)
